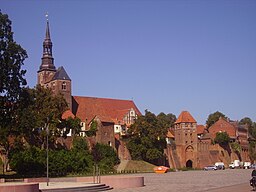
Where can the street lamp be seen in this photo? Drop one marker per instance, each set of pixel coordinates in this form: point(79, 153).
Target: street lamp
point(47, 150)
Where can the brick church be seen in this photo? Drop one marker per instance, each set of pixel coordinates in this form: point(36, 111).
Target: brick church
point(113, 116)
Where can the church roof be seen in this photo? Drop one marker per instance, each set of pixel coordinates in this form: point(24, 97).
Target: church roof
point(108, 110)
point(61, 74)
point(185, 117)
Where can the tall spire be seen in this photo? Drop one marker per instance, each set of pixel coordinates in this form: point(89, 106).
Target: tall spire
point(47, 59)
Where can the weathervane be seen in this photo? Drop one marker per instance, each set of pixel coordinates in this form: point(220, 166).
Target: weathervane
point(46, 15)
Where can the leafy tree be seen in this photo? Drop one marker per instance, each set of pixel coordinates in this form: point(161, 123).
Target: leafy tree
point(93, 129)
point(166, 121)
point(236, 147)
point(30, 161)
point(80, 157)
point(212, 118)
point(222, 138)
point(105, 156)
point(12, 81)
point(68, 124)
point(45, 111)
point(147, 136)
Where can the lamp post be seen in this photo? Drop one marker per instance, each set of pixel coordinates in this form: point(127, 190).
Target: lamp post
point(47, 151)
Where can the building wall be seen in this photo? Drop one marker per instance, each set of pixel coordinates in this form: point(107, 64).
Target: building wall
point(222, 126)
point(105, 134)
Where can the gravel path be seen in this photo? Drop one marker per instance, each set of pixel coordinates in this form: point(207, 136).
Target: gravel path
point(194, 181)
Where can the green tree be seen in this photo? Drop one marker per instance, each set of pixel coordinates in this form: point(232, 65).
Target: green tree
point(222, 138)
point(12, 81)
point(166, 121)
point(30, 162)
point(44, 111)
point(236, 147)
point(81, 160)
point(105, 156)
point(147, 136)
point(212, 118)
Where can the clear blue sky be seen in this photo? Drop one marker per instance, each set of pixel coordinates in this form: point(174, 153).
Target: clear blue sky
point(167, 56)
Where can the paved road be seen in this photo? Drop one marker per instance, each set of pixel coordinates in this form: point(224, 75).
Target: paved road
point(229, 180)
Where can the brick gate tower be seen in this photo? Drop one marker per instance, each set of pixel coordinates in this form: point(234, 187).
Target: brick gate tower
point(186, 139)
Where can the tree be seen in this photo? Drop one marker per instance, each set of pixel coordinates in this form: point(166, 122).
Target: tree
point(212, 118)
point(147, 136)
point(105, 157)
point(44, 111)
point(12, 80)
point(222, 138)
point(166, 121)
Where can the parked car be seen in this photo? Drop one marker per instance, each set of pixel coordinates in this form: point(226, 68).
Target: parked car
point(253, 166)
point(247, 165)
point(210, 167)
point(220, 165)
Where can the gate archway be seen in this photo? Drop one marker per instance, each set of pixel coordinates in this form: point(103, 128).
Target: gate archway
point(189, 164)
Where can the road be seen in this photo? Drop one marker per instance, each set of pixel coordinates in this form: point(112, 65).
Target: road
point(229, 180)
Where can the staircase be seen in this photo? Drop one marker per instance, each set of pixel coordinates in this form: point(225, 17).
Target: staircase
point(87, 188)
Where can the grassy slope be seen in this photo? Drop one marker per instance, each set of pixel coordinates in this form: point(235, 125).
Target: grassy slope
point(139, 166)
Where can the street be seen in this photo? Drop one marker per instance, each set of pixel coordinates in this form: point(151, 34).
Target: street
point(229, 180)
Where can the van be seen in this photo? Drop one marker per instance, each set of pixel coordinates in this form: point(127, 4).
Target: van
point(247, 165)
point(220, 165)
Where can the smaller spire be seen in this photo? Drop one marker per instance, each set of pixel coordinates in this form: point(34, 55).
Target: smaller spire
point(47, 59)
point(47, 35)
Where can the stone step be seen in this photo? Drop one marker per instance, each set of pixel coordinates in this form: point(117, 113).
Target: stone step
point(93, 188)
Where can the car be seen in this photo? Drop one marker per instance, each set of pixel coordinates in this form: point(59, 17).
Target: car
point(220, 165)
point(253, 166)
point(210, 167)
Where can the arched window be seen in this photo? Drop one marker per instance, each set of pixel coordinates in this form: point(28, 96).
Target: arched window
point(64, 86)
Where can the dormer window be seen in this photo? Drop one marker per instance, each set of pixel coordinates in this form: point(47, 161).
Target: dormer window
point(64, 86)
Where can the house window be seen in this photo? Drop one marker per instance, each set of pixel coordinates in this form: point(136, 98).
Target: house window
point(64, 86)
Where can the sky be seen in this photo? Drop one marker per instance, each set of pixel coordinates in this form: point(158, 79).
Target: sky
point(165, 55)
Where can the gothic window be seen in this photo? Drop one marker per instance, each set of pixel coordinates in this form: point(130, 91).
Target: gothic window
point(64, 86)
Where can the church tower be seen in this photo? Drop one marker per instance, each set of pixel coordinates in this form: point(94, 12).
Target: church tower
point(47, 68)
point(186, 139)
point(47, 76)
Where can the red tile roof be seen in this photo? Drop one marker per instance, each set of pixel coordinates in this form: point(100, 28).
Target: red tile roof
point(185, 117)
point(200, 129)
point(170, 134)
point(67, 114)
point(108, 110)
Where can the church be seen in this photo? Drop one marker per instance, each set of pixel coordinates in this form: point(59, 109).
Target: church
point(113, 116)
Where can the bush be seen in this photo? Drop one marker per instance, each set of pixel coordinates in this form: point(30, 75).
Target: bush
point(31, 161)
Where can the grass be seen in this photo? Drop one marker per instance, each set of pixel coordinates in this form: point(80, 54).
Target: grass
point(139, 166)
